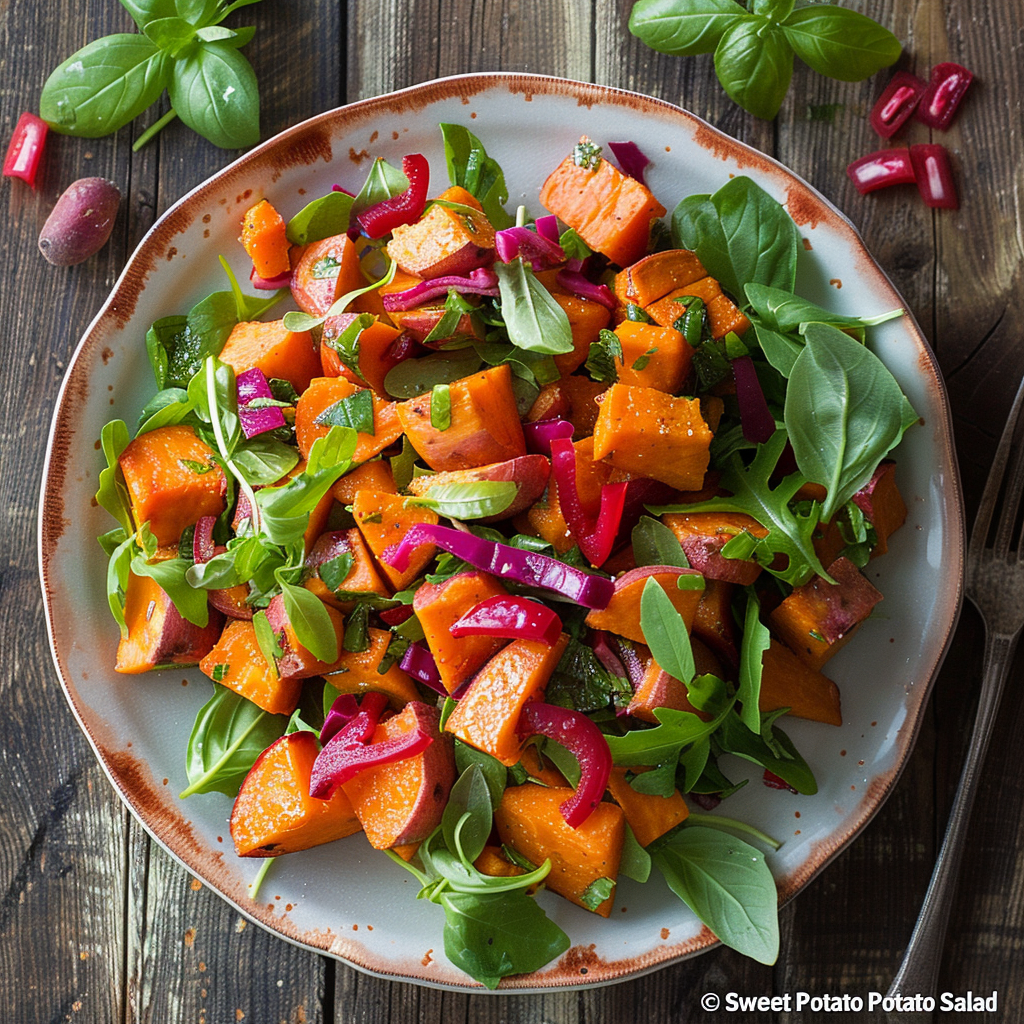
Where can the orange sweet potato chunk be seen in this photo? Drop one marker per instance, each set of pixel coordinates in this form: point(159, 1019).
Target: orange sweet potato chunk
point(786, 682)
point(357, 671)
point(443, 241)
point(654, 276)
point(383, 520)
point(324, 271)
point(321, 395)
point(173, 481)
point(269, 346)
point(647, 814)
point(652, 356)
point(264, 238)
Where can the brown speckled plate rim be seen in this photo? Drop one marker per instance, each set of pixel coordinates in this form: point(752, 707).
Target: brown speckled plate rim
point(305, 143)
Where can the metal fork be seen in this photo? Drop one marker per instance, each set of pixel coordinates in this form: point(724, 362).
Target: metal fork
point(995, 584)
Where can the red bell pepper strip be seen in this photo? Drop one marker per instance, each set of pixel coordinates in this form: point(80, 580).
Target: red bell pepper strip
point(934, 176)
point(581, 737)
point(897, 104)
point(26, 148)
point(418, 662)
point(511, 617)
point(385, 216)
point(356, 720)
point(881, 169)
point(594, 534)
point(941, 99)
point(527, 567)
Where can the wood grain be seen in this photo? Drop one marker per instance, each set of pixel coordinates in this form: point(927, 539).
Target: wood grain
point(97, 923)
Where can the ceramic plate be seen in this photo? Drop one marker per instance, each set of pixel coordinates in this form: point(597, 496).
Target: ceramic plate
point(346, 899)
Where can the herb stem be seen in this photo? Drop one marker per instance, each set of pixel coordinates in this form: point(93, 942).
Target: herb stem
point(218, 431)
point(721, 822)
point(254, 885)
point(154, 129)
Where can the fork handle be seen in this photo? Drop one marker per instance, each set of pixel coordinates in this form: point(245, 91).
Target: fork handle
point(918, 974)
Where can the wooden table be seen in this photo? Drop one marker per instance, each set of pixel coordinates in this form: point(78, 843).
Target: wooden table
point(97, 923)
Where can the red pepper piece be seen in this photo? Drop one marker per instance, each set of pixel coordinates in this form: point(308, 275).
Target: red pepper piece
point(512, 617)
point(581, 737)
point(881, 169)
point(385, 216)
point(934, 175)
point(772, 781)
point(356, 721)
point(595, 535)
point(939, 104)
point(26, 148)
point(897, 104)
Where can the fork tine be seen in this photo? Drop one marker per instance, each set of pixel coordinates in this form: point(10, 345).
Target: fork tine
point(1011, 440)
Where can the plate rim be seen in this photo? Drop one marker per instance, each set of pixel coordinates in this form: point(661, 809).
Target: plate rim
point(51, 523)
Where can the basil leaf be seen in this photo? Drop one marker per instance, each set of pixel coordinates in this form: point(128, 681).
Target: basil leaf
point(783, 311)
point(356, 638)
point(655, 544)
point(754, 63)
point(470, 500)
point(597, 892)
point(781, 350)
point(170, 577)
point(573, 246)
point(455, 307)
point(683, 27)
point(145, 11)
point(635, 862)
point(266, 640)
point(755, 642)
point(214, 92)
point(495, 774)
point(727, 884)
point(198, 11)
point(229, 733)
point(741, 234)
point(355, 411)
point(440, 407)
point(165, 408)
point(323, 218)
point(412, 377)
point(534, 320)
point(312, 624)
point(665, 632)
point(104, 86)
point(492, 935)
point(334, 571)
point(224, 401)
point(111, 492)
point(840, 43)
point(118, 567)
point(469, 166)
point(582, 683)
point(383, 182)
point(170, 34)
point(264, 460)
point(844, 413)
point(467, 819)
point(774, 10)
point(209, 323)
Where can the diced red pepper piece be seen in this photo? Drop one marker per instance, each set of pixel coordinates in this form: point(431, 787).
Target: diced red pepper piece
point(512, 617)
point(26, 148)
point(581, 737)
point(595, 535)
point(934, 175)
point(941, 99)
point(897, 104)
point(881, 169)
point(385, 216)
point(772, 781)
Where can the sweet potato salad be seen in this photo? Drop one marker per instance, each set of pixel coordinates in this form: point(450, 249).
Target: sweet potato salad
point(510, 537)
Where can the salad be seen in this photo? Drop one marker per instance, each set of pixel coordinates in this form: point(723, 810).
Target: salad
point(509, 540)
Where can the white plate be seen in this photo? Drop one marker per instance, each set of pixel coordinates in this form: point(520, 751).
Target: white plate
point(346, 899)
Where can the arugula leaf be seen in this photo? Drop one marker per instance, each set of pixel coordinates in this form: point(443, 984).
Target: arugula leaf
point(104, 85)
point(788, 533)
point(469, 166)
point(727, 884)
point(844, 413)
point(228, 735)
point(534, 320)
point(741, 235)
point(470, 500)
point(768, 747)
point(322, 218)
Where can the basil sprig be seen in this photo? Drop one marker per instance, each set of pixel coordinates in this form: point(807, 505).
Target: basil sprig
point(181, 47)
point(754, 43)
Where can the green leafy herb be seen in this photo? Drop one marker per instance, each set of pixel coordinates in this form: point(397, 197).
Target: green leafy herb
point(357, 638)
point(346, 342)
point(844, 412)
point(111, 493)
point(470, 166)
point(228, 735)
point(768, 747)
point(383, 182)
point(470, 500)
point(727, 884)
point(655, 544)
point(312, 624)
point(587, 155)
point(412, 377)
point(665, 632)
point(756, 640)
point(170, 576)
point(440, 407)
point(597, 892)
point(355, 411)
point(573, 246)
point(581, 682)
point(602, 357)
point(110, 81)
point(534, 320)
point(322, 218)
point(266, 640)
point(754, 48)
point(334, 571)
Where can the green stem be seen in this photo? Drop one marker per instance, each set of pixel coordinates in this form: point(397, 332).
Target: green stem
point(153, 129)
point(254, 885)
point(720, 822)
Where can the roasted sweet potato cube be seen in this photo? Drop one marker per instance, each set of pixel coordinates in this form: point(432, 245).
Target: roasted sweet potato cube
point(668, 309)
point(622, 613)
point(702, 536)
point(274, 813)
point(587, 319)
point(362, 578)
point(652, 356)
point(375, 475)
point(172, 480)
point(313, 410)
point(323, 271)
point(654, 276)
point(269, 346)
point(383, 520)
point(443, 241)
point(265, 239)
point(357, 671)
point(714, 622)
point(650, 433)
point(818, 618)
point(647, 814)
point(528, 820)
point(786, 682)
point(296, 662)
point(882, 504)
